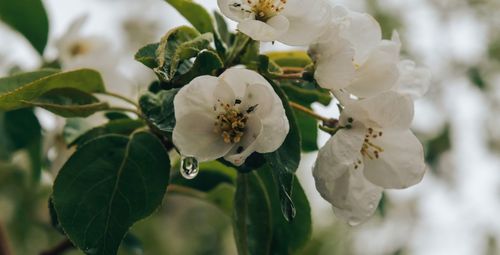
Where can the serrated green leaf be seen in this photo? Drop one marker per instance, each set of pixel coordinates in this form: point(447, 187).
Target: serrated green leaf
point(69, 103)
point(194, 13)
point(147, 55)
point(252, 219)
point(118, 127)
point(289, 237)
point(189, 49)
point(29, 18)
point(16, 97)
point(106, 186)
point(206, 63)
point(159, 109)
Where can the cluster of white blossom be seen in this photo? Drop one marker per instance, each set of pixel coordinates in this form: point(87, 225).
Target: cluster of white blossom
point(373, 148)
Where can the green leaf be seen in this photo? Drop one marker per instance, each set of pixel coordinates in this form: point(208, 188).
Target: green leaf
point(13, 82)
point(108, 185)
point(20, 129)
point(206, 63)
point(147, 55)
point(15, 97)
point(289, 237)
point(222, 29)
point(476, 77)
point(131, 245)
point(118, 127)
point(69, 102)
point(189, 49)
point(159, 109)
point(285, 160)
point(287, 157)
point(308, 131)
point(194, 13)
point(29, 18)
point(252, 222)
point(290, 58)
point(176, 48)
point(305, 96)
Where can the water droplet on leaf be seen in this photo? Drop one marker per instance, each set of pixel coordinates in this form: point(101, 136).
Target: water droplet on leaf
point(189, 167)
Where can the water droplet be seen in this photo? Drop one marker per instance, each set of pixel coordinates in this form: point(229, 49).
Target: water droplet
point(287, 206)
point(189, 167)
point(353, 221)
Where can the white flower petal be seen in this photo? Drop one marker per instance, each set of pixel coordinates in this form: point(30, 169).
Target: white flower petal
point(239, 79)
point(364, 32)
point(307, 22)
point(248, 142)
point(354, 198)
point(337, 157)
point(334, 67)
point(230, 12)
point(269, 31)
point(400, 165)
point(197, 96)
point(379, 72)
point(272, 116)
point(194, 136)
point(388, 110)
point(413, 81)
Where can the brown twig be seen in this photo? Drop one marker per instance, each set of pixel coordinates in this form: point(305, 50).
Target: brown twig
point(309, 112)
point(59, 248)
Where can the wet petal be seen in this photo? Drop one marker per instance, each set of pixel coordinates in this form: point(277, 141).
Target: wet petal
point(400, 165)
point(194, 136)
point(413, 81)
point(197, 96)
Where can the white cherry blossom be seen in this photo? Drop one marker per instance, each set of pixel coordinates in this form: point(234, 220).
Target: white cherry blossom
point(374, 150)
point(293, 22)
point(413, 81)
point(353, 56)
point(229, 116)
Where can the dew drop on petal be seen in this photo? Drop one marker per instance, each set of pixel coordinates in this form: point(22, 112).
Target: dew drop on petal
point(189, 167)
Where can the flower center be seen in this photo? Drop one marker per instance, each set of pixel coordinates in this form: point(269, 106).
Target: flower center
point(262, 10)
point(79, 48)
point(231, 121)
point(369, 149)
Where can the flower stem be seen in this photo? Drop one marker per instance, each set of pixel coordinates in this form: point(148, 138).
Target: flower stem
point(111, 94)
point(60, 248)
point(308, 111)
point(291, 69)
point(289, 76)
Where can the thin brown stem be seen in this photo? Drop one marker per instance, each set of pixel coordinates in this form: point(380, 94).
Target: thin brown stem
point(60, 248)
point(111, 94)
point(4, 242)
point(308, 111)
point(289, 76)
point(291, 69)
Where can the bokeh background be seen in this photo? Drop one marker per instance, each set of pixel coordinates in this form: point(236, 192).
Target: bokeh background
point(454, 210)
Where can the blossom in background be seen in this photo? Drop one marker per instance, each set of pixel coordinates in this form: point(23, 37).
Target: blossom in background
point(293, 22)
point(229, 116)
point(351, 55)
point(374, 150)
